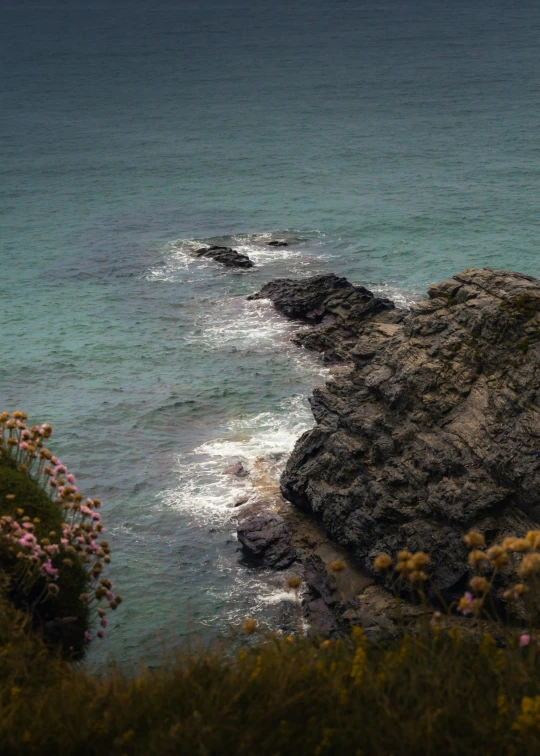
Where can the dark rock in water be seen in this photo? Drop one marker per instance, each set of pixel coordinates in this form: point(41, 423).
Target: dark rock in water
point(337, 307)
point(241, 500)
point(226, 256)
point(433, 429)
point(266, 540)
point(238, 470)
point(278, 244)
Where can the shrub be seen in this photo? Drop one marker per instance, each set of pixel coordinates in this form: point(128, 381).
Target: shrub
point(434, 693)
point(50, 554)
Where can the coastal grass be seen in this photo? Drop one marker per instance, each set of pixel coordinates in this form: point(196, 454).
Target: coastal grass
point(432, 693)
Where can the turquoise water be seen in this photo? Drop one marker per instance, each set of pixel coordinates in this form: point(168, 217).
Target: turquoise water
point(397, 142)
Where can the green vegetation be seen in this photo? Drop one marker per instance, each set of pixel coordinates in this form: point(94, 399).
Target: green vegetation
point(441, 688)
point(51, 558)
point(431, 694)
point(19, 493)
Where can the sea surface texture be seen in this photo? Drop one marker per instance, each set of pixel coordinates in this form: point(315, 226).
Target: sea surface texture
point(393, 141)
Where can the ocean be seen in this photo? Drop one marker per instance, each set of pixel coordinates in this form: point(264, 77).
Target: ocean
point(394, 141)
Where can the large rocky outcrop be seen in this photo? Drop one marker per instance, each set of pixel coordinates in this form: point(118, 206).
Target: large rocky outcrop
point(435, 427)
point(334, 307)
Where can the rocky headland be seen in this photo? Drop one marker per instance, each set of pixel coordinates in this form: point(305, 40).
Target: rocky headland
point(431, 427)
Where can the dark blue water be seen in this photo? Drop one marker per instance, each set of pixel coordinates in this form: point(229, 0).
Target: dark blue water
point(395, 141)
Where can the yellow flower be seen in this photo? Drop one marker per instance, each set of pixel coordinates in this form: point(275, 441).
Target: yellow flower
point(403, 556)
point(518, 544)
point(358, 636)
point(418, 576)
point(128, 736)
point(476, 606)
point(337, 566)
point(529, 717)
point(358, 665)
point(257, 671)
point(488, 644)
point(533, 537)
point(530, 565)
point(382, 562)
point(519, 589)
point(476, 558)
point(474, 539)
point(497, 556)
point(420, 559)
point(455, 636)
point(294, 582)
point(479, 584)
point(249, 626)
point(502, 706)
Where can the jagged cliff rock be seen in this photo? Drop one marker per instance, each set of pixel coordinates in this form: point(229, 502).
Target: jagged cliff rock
point(434, 429)
point(335, 308)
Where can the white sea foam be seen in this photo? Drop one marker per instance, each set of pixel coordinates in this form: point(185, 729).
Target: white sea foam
point(261, 443)
point(402, 298)
point(299, 258)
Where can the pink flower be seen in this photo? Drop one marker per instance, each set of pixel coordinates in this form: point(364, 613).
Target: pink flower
point(96, 516)
point(25, 435)
point(104, 622)
point(64, 542)
point(55, 461)
point(88, 636)
point(70, 479)
point(100, 634)
point(52, 549)
point(23, 445)
point(49, 569)
point(28, 540)
point(60, 469)
point(465, 603)
point(86, 510)
point(524, 640)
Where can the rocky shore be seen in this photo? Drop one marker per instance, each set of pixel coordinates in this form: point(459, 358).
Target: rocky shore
point(430, 428)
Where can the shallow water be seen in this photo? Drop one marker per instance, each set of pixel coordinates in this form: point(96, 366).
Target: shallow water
point(395, 142)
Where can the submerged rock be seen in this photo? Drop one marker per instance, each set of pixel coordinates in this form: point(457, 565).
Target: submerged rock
point(435, 427)
point(226, 256)
point(278, 243)
point(238, 470)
